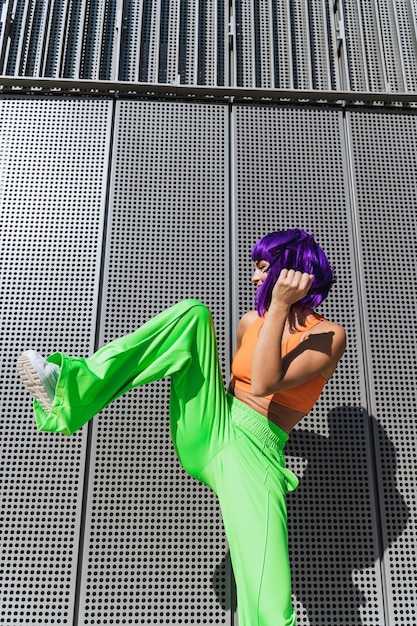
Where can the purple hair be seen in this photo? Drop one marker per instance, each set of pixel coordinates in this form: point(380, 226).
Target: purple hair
point(293, 249)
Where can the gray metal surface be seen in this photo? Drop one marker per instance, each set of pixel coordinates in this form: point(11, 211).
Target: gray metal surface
point(53, 178)
point(105, 528)
point(380, 39)
point(301, 44)
point(147, 539)
point(284, 44)
point(384, 156)
point(299, 178)
point(151, 40)
point(154, 540)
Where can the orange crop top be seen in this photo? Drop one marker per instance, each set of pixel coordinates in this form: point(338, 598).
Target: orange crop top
point(301, 398)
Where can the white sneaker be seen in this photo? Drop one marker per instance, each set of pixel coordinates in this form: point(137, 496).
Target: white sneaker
point(39, 376)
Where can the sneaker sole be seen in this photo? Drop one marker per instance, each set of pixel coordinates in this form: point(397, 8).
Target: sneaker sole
point(31, 380)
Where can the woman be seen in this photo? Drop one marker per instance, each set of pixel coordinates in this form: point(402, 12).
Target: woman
point(232, 441)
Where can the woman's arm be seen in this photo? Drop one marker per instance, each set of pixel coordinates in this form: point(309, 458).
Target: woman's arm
point(318, 354)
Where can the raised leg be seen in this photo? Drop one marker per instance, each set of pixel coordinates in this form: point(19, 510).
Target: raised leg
point(180, 343)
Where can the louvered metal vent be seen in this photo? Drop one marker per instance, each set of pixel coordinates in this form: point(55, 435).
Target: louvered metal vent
point(283, 44)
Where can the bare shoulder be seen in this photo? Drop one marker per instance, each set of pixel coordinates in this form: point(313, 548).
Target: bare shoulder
point(338, 335)
point(245, 321)
point(329, 326)
point(326, 324)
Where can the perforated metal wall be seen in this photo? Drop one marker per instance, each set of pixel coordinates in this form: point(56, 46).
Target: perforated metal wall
point(294, 44)
point(53, 179)
point(380, 42)
point(299, 177)
point(133, 540)
point(384, 156)
point(285, 44)
point(149, 41)
point(154, 537)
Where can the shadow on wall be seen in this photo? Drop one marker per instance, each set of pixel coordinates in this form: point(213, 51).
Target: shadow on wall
point(334, 535)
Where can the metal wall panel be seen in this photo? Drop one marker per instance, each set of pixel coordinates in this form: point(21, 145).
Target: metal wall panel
point(153, 551)
point(392, 46)
point(290, 171)
point(301, 44)
point(356, 55)
point(384, 156)
point(151, 40)
point(274, 43)
point(74, 44)
point(283, 61)
point(53, 179)
point(175, 42)
point(92, 43)
point(148, 41)
point(406, 32)
point(321, 24)
point(381, 44)
point(284, 44)
point(154, 541)
point(188, 38)
point(130, 61)
point(13, 26)
point(212, 44)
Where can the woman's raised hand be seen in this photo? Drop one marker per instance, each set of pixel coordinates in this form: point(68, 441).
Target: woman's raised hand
point(291, 287)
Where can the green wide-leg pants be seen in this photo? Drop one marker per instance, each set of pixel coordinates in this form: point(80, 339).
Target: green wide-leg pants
point(219, 440)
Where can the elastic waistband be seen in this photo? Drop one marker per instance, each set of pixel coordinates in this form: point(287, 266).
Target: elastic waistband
point(247, 418)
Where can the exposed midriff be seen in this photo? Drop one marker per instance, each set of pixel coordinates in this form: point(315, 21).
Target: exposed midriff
point(300, 399)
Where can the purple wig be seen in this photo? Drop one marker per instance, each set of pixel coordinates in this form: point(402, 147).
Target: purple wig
point(293, 249)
